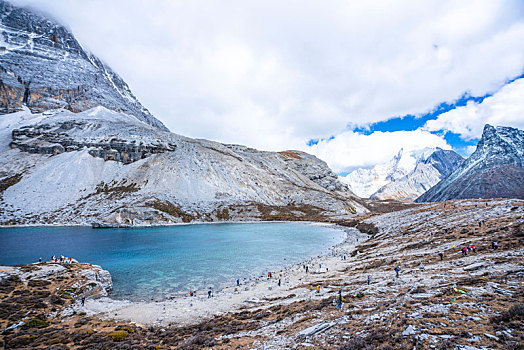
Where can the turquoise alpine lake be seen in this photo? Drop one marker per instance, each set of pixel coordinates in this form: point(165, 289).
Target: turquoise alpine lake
point(160, 262)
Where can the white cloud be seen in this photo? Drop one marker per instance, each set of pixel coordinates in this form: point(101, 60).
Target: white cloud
point(470, 150)
point(504, 108)
point(350, 150)
point(275, 74)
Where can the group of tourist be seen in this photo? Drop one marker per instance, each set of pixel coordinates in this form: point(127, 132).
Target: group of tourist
point(59, 259)
point(469, 248)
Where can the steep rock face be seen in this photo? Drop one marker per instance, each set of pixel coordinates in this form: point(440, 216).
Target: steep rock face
point(444, 161)
point(427, 172)
point(314, 169)
point(406, 176)
point(73, 135)
point(494, 170)
point(189, 180)
point(44, 67)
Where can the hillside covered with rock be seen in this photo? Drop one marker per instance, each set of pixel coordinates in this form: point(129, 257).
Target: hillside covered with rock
point(494, 170)
point(77, 148)
point(100, 166)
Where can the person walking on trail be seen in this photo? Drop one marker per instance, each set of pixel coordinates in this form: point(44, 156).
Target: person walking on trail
point(39, 259)
point(369, 280)
point(441, 256)
point(494, 245)
point(464, 251)
point(83, 301)
point(318, 288)
point(209, 294)
point(307, 269)
point(473, 248)
point(238, 282)
point(339, 303)
point(279, 282)
point(397, 270)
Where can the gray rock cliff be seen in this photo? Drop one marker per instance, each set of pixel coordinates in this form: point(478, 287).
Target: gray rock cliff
point(44, 67)
point(494, 170)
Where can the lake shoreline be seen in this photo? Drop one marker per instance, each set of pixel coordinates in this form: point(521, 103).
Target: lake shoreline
point(174, 224)
point(256, 277)
point(185, 310)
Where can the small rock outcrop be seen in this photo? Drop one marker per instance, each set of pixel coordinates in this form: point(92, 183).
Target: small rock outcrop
point(56, 138)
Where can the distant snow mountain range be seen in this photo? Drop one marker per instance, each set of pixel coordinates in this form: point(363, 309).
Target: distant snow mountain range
point(494, 170)
point(406, 176)
point(76, 147)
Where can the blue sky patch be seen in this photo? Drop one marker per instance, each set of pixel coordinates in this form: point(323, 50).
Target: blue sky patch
point(411, 122)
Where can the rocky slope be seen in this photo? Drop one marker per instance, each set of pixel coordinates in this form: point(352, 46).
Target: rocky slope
point(101, 166)
point(406, 176)
point(494, 170)
point(44, 67)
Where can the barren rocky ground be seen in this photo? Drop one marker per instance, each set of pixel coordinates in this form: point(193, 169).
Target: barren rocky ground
point(460, 302)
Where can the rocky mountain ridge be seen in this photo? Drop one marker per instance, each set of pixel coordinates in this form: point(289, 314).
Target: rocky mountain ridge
point(57, 138)
point(494, 170)
point(101, 166)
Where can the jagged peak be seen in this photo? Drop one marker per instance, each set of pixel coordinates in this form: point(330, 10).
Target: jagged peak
point(493, 170)
point(491, 131)
point(506, 137)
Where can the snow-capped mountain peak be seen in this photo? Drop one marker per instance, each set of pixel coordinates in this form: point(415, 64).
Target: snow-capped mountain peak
point(406, 176)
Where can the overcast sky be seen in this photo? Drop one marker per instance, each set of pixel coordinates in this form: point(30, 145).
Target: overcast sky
point(332, 78)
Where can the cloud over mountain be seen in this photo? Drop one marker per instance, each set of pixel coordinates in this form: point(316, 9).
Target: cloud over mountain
point(274, 75)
